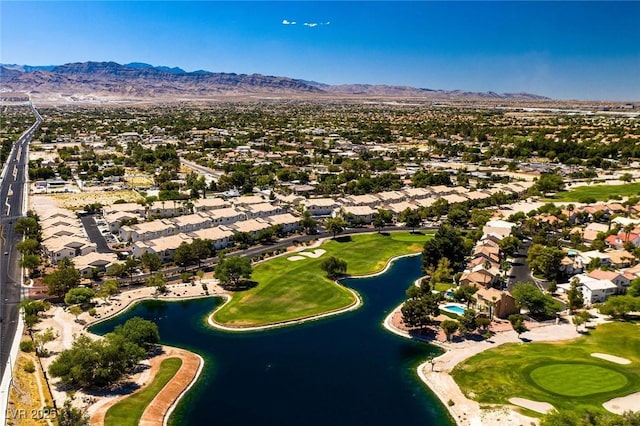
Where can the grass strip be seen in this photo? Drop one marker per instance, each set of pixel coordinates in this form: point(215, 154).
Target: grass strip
point(129, 411)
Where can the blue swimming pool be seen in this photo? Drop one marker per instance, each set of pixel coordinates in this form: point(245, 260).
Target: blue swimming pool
point(453, 308)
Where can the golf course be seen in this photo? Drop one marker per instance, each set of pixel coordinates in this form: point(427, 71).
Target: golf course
point(294, 286)
point(567, 375)
point(597, 192)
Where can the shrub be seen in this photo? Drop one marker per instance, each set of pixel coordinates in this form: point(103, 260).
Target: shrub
point(185, 277)
point(27, 346)
point(450, 403)
point(92, 312)
point(29, 367)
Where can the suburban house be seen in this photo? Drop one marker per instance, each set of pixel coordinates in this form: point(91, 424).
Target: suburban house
point(369, 200)
point(362, 213)
point(480, 276)
point(220, 236)
point(226, 216)
point(163, 247)
point(67, 246)
point(495, 302)
point(191, 222)
point(89, 262)
point(251, 226)
point(320, 206)
point(205, 204)
point(595, 290)
point(289, 222)
point(621, 282)
point(147, 230)
point(262, 210)
point(618, 241)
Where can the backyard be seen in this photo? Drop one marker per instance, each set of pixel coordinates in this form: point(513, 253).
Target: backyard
point(288, 290)
point(565, 375)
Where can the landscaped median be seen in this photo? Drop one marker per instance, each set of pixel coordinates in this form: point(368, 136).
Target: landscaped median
point(292, 289)
point(570, 375)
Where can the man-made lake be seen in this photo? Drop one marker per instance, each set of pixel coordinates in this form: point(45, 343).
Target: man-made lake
point(343, 370)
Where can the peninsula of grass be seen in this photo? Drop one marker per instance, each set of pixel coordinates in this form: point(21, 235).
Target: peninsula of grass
point(597, 192)
point(129, 411)
point(562, 374)
point(288, 290)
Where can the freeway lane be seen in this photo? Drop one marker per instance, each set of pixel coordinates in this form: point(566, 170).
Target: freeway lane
point(12, 206)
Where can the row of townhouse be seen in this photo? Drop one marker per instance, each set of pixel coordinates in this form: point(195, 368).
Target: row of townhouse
point(196, 221)
point(363, 207)
point(483, 272)
point(221, 236)
point(63, 235)
point(117, 214)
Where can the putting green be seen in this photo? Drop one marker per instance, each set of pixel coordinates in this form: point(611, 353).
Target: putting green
point(574, 379)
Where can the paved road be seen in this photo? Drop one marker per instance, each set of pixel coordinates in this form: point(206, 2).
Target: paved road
point(12, 207)
point(520, 271)
point(94, 234)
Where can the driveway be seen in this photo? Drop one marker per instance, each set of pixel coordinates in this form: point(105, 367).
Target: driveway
point(94, 234)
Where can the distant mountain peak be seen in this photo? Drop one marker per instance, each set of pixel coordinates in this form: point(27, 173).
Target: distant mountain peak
point(142, 80)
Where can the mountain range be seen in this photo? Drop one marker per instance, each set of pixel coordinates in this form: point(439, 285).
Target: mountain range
point(140, 80)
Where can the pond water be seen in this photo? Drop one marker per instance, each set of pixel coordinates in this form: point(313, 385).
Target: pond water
point(342, 370)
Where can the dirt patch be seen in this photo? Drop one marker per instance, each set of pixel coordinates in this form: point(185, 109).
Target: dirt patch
point(612, 358)
point(537, 406)
point(624, 403)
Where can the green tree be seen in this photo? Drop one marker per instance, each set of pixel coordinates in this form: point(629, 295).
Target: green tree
point(468, 321)
point(529, 296)
point(381, 218)
point(549, 182)
point(449, 327)
point(137, 330)
point(232, 270)
point(575, 299)
point(183, 254)
point(76, 311)
point(634, 288)
point(201, 249)
point(68, 415)
point(447, 242)
point(307, 222)
point(28, 246)
point(79, 296)
point(150, 261)
point(30, 261)
point(60, 281)
point(335, 225)
point(545, 260)
point(29, 227)
point(410, 218)
point(620, 306)
point(517, 322)
point(334, 267)
point(464, 293)
point(443, 273)
point(510, 245)
point(158, 281)
point(458, 215)
point(42, 338)
point(108, 289)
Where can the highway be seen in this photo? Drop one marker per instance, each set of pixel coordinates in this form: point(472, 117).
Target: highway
point(13, 201)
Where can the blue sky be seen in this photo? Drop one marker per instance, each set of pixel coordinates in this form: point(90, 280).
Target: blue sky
point(566, 50)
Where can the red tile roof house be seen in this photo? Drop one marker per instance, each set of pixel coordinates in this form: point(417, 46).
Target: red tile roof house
point(618, 241)
point(621, 281)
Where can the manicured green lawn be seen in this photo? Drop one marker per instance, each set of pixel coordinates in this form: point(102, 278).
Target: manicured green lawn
point(563, 374)
point(289, 290)
point(128, 411)
point(599, 192)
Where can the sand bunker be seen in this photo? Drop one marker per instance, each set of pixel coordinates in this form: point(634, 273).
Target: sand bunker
point(537, 406)
point(296, 258)
point(313, 254)
point(612, 358)
point(624, 403)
